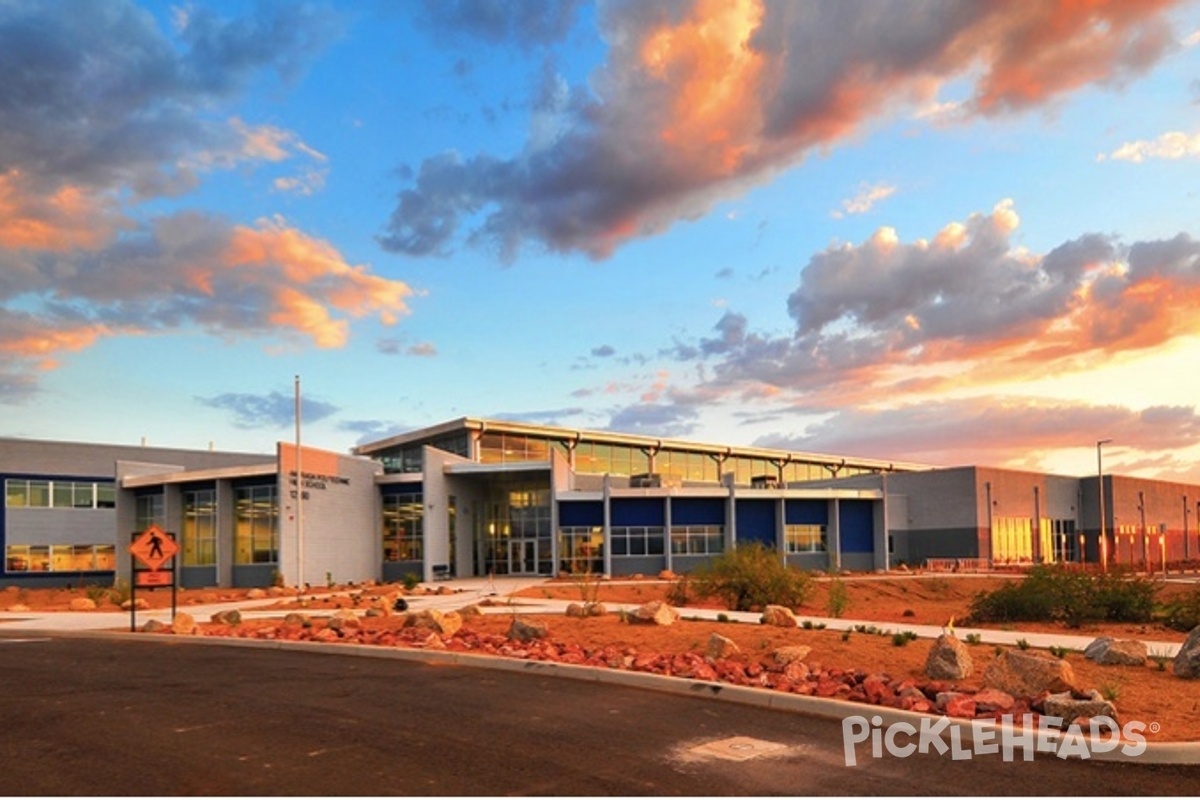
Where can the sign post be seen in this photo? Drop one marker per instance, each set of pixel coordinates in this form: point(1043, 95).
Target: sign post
point(153, 547)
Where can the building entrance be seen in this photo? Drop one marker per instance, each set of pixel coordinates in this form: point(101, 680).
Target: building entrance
point(522, 556)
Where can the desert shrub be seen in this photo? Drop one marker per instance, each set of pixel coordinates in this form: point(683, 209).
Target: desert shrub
point(680, 592)
point(750, 577)
point(1183, 613)
point(121, 591)
point(902, 638)
point(1125, 597)
point(411, 580)
point(97, 594)
point(1052, 593)
point(839, 598)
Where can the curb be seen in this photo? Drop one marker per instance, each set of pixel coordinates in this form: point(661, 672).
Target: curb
point(969, 731)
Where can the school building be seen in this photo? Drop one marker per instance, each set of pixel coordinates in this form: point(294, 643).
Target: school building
point(474, 497)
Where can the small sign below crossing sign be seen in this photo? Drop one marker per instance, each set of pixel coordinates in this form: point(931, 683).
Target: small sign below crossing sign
point(154, 547)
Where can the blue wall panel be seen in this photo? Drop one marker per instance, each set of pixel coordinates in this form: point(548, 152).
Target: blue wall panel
point(637, 511)
point(698, 511)
point(581, 514)
point(857, 519)
point(806, 512)
point(756, 522)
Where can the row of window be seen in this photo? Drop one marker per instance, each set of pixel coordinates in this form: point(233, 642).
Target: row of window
point(598, 458)
point(60, 557)
point(1012, 540)
point(255, 524)
point(22, 493)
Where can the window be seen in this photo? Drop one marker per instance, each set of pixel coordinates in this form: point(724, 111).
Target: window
point(1012, 540)
point(637, 541)
point(199, 528)
point(697, 540)
point(60, 558)
point(149, 509)
point(21, 493)
point(403, 525)
point(804, 539)
point(581, 549)
point(256, 525)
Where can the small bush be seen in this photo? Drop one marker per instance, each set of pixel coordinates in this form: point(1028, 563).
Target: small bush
point(680, 592)
point(751, 577)
point(722, 617)
point(411, 580)
point(807, 625)
point(1023, 644)
point(902, 638)
point(120, 592)
point(845, 636)
point(908, 612)
point(1183, 614)
point(1160, 658)
point(1110, 691)
point(98, 594)
point(1058, 651)
point(839, 598)
point(974, 638)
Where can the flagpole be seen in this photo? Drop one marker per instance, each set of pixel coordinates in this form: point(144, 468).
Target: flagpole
point(299, 499)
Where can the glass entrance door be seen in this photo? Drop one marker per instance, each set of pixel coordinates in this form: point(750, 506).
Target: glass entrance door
point(522, 556)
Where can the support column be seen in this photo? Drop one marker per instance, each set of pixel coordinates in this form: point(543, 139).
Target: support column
point(834, 538)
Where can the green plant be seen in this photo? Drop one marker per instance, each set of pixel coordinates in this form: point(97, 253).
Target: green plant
point(276, 578)
point(411, 580)
point(750, 577)
point(97, 594)
point(587, 583)
point(1055, 593)
point(680, 592)
point(1160, 658)
point(1023, 644)
point(1183, 613)
point(902, 638)
point(807, 625)
point(121, 592)
point(974, 638)
point(839, 598)
point(1110, 691)
point(998, 650)
point(820, 626)
point(845, 636)
point(1058, 651)
point(722, 617)
point(908, 612)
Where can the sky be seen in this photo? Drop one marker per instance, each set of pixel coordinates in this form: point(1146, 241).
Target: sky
point(930, 231)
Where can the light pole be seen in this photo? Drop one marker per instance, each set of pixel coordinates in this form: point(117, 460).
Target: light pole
point(1100, 486)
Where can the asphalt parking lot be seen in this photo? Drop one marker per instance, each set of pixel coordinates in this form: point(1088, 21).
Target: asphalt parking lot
point(102, 716)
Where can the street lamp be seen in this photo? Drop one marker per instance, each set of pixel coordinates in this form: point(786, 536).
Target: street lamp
point(1100, 486)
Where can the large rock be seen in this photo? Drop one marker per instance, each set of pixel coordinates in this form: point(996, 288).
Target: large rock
point(1071, 705)
point(83, 604)
point(948, 660)
point(779, 616)
point(230, 617)
point(722, 647)
point(1024, 674)
point(344, 619)
point(1187, 662)
point(790, 654)
point(525, 631)
point(445, 623)
point(184, 623)
point(1107, 650)
point(655, 612)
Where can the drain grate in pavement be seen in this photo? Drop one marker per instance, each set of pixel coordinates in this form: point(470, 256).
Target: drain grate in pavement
point(738, 748)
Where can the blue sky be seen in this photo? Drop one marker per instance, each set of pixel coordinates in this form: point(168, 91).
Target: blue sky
point(942, 232)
